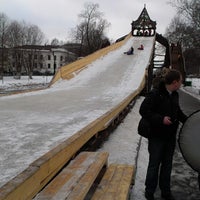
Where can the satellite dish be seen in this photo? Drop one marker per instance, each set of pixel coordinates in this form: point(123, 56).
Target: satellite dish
point(189, 140)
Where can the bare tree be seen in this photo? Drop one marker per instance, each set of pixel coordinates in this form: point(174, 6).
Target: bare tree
point(189, 9)
point(21, 34)
point(33, 35)
point(29, 58)
point(55, 42)
point(185, 27)
point(4, 23)
point(177, 31)
point(91, 30)
point(78, 35)
point(15, 34)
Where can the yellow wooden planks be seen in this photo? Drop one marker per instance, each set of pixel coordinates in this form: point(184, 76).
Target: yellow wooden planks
point(115, 183)
point(75, 180)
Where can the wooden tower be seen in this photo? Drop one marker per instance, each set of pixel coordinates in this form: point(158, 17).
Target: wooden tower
point(143, 26)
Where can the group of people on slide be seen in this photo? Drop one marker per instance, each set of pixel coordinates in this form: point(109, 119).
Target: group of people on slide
point(131, 50)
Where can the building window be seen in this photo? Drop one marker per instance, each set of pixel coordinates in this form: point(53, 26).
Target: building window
point(61, 58)
point(49, 66)
point(54, 57)
point(35, 56)
point(41, 65)
point(49, 57)
point(41, 57)
point(35, 65)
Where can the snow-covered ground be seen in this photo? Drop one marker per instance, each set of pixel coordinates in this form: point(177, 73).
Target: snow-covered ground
point(32, 123)
point(194, 89)
point(9, 84)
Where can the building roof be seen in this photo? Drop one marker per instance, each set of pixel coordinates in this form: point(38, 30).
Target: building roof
point(144, 21)
point(37, 47)
point(51, 48)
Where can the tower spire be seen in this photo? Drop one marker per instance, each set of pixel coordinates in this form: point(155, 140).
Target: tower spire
point(143, 26)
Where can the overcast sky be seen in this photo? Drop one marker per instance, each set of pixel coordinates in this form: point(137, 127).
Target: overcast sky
point(57, 18)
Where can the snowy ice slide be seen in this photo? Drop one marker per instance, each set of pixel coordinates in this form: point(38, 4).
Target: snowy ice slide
point(34, 123)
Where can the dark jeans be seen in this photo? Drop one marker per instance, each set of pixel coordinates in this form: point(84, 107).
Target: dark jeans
point(160, 164)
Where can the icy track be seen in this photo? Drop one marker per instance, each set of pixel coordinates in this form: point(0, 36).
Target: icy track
point(33, 123)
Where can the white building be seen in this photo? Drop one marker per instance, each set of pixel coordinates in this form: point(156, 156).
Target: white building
point(39, 59)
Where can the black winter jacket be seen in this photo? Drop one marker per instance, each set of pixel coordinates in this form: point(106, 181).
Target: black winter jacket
point(158, 104)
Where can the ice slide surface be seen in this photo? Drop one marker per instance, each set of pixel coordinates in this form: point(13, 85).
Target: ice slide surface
point(33, 123)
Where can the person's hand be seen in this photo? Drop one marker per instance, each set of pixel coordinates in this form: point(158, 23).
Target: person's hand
point(167, 120)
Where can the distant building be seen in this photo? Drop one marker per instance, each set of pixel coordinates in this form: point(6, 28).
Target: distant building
point(3, 61)
point(143, 26)
point(38, 59)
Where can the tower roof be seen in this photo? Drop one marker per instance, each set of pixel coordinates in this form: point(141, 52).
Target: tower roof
point(144, 21)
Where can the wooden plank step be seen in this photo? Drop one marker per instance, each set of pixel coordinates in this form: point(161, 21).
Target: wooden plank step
point(75, 180)
point(116, 183)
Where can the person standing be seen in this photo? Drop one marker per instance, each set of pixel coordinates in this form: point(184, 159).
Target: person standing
point(161, 109)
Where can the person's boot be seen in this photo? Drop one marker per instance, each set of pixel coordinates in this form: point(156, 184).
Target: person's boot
point(167, 196)
point(149, 196)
